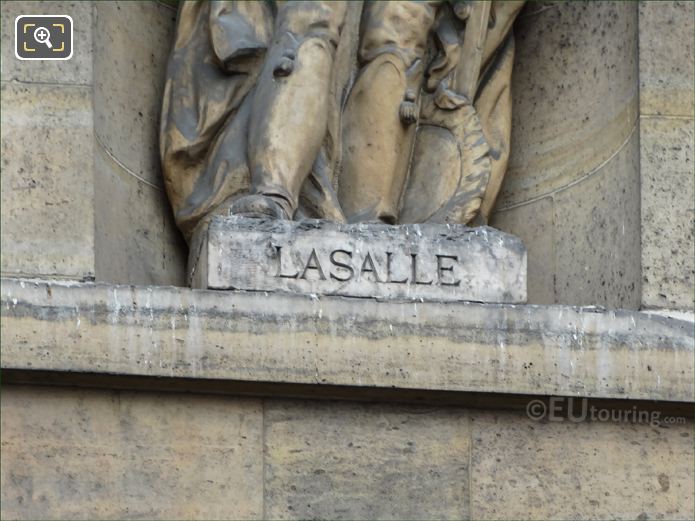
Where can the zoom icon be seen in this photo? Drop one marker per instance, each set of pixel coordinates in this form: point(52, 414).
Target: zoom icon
point(43, 37)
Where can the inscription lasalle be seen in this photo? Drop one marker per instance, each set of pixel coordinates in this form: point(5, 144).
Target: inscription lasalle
point(407, 262)
point(343, 266)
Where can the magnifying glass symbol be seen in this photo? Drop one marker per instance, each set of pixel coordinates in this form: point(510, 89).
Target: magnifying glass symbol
point(43, 35)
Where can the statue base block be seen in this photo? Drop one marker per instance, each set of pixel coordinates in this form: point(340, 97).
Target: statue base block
point(428, 262)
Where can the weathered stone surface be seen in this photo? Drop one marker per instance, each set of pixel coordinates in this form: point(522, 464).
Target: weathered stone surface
point(75, 71)
point(666, 153)
point(521, 469)
point(360, 343)
point(136, 239)
point(333, 460)
point(98, 454)
point(575, 97)
point(601, 217)
point(666, 65)
point(668, 195)
point(75, 206)
point(73, 453)
point(47, 183)
point(535, 223)
point(424, 262)
point(132, 41)
point(681, 314)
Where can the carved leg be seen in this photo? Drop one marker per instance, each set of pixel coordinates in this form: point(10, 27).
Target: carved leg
point(290, 105)
point(377, 124)
point(376, 144)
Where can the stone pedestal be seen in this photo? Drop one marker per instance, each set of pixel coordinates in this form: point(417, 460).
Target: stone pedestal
point(432, 262)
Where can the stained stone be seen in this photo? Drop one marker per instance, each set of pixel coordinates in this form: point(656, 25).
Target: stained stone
point(435, 262)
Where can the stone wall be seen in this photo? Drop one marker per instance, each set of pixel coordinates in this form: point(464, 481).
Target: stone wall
point(136, 240)
point(600, 183)
point(602, 141)
point(47, 186)
point(72, 453)
point(256, 337)
point(430, 422)
point(82, 194)
point(572, 189)
point(143, 401)
point(666, 153)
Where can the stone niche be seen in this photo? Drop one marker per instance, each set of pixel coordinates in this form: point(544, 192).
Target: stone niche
point(136, 240)
point(572, 191)
point(127, 395)
point(572, 186)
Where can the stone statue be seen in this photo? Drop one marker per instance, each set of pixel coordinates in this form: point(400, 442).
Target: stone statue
point(390, 112)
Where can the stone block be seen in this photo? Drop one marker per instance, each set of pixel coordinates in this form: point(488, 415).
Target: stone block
point(75, 71)
point(136, 239)
point(534, 224)
point(574, 117)
point(47, 180)
point(666, 64)
point(100, 454)
point(575, 94)
point(132, 44)
point(523, 469)
point(361, 345)
point(598, 258)
point(107, 215)
point(337, 460)
point(668, 195)
point(414, 262)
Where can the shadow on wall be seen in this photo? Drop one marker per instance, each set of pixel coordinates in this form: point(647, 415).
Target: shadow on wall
point(571, 192)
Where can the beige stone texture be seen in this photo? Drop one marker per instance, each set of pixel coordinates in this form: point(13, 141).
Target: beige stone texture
point(668, 195)
point(575, 102)
point(102, 454)
point(71, 453)
point(522, 469)
point(430, 262)
point(47, 190)
point(337, 460)
point(136, 242)
point(47, 152)
point(131, 47)
point(666, 153)
point(369, 346)
point(136, 239)
point(666, 65)
point(600, 217)
point(75, 71)
point(538, 220)
point(574, 127)
point(86, 200)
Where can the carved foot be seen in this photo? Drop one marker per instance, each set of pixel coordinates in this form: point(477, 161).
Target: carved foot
point(259, 207)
